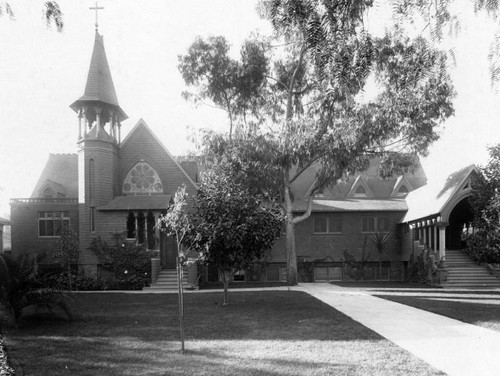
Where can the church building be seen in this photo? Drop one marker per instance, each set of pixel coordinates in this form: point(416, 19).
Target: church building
point(112, 187)
point(115, 188)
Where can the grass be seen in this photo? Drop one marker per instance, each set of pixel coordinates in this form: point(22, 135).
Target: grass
point(474, 307)
point(259, 333)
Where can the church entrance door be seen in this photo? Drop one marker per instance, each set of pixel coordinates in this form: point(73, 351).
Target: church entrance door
point(168, 251)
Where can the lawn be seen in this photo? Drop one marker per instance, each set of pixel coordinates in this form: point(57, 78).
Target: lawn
point(259, 333)
point(474, 307)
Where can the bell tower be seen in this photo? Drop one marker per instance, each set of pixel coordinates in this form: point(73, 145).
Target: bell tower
point(99, 137)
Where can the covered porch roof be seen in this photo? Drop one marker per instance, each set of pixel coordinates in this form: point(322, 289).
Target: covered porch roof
point(352, 205)
point(440, 197)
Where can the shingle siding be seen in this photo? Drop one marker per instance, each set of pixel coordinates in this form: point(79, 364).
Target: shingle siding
point(98, 190)
point(141, 144)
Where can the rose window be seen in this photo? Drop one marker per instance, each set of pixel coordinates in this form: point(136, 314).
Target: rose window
point(142, 178)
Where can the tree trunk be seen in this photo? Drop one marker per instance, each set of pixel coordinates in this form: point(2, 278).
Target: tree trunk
point(69, 277)
point(225, 280)
point(181, 302)
point(291, 255)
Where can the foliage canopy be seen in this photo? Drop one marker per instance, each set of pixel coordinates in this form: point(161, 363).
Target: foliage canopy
point(484, 244)
point(335, 97)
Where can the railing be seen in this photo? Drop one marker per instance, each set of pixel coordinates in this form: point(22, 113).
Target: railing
point(42, 200)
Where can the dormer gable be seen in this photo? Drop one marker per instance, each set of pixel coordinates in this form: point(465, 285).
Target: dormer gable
point(360, 189)
point(401, 187)
point(51, 189)
point(323, 193)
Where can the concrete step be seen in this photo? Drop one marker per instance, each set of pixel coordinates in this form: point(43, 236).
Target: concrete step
point(167, 281)
point(465, 273)
point(471, 277)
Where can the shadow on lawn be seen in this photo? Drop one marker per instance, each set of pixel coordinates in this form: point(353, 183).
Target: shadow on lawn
point(273, 315)
point(259, 333)
point(111, 357)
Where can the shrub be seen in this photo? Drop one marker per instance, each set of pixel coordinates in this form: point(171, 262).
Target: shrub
point(484, 246)
point(129, 264)
point(80, 281)
point(20, 288)
point(131, 267)
point(422, 269)
point(305, 269)
point(5, 368)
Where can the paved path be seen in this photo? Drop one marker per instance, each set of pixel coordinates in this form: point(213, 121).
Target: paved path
point(449, 345)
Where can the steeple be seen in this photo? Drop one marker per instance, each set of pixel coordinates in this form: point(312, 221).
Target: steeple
point(99, 104)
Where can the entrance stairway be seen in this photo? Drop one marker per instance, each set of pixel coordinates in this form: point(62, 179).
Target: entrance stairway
point(167, 281)
point(465, 273)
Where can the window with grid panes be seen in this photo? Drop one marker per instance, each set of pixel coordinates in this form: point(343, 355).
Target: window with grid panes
point(52, 223)
point(328, 225)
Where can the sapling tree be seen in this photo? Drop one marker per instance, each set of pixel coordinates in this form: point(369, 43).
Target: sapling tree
point(177, 224)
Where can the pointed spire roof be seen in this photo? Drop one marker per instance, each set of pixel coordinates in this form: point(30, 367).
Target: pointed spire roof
point(99, 87)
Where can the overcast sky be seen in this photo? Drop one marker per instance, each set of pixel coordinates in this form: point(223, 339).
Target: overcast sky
point(42, 72)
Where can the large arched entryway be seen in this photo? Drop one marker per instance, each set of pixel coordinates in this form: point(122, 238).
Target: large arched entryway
point(459, 220)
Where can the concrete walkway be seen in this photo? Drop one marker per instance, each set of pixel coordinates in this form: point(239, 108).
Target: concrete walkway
point(449, 345)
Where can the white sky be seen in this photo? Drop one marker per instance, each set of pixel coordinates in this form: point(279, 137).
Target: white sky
point(42, 72)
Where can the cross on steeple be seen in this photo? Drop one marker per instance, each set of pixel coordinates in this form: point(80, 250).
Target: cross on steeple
point(97, 8)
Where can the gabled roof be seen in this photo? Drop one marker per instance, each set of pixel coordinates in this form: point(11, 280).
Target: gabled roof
point(375, 187)
point(99, 87)
point(61, 170)
point(400, 183)
point(433, 198)
point(360, 182)
point(141, 124)
point(58, 188)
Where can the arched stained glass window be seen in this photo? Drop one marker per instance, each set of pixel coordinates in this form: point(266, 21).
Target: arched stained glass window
point(142, 179)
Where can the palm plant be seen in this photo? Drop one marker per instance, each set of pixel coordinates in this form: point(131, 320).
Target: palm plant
point(21, 289)
point(380, 241)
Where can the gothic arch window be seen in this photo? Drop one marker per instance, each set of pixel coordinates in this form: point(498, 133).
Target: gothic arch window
point(142, 179)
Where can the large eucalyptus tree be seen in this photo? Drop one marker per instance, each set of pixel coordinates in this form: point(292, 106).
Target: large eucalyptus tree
point(335, 97)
